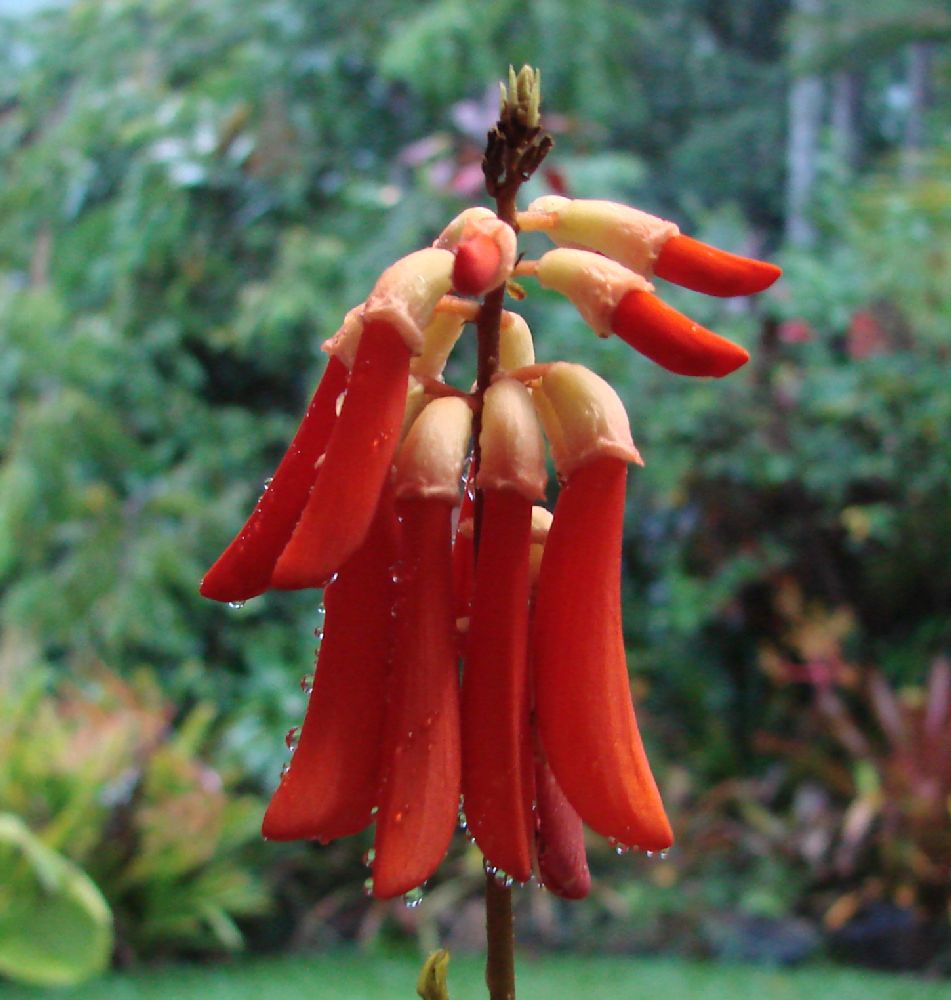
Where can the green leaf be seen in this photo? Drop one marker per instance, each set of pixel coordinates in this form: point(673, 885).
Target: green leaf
point(55, 925)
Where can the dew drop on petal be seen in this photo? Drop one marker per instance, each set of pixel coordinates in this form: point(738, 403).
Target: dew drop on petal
point(368, 886)
point(284, 769)
point(307, 683)
point(236, 605)
point(369, 857)
point(292, 738)
point(413, 898)
point(374, 810)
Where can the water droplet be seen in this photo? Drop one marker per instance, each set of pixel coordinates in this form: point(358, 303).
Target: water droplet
point(618, 848)
point(292, 738)
point(413, 898)
point(649, 854)
point(463, 825)
point(488, 868)
point(284, 770)
point(307, 683)
point(236, 605)
point(267, 483)
point(399, 816)
point(321, 615)
point(319, 634)
point(374, 810)
point(664, 854)
point(368, 886)
point(369, 857)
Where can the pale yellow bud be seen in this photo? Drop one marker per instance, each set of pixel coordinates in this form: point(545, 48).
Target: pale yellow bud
point(583, 416)
point(430, 460)
point(625, 234)
point(594, 284)
point(451, 236)
point(516, 349)
point(513, 450)
point(406, 294)
point(439, 338)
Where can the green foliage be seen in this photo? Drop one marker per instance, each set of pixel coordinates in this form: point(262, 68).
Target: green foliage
point(55, 926)
point(100, 777)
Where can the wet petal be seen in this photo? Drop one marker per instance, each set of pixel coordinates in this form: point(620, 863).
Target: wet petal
point(497, 776)
point(583, 698)
point(244, 569)
point(704, 268)
point(419, 797)
point(359, 453)
point(673, 340)
point(332, 782)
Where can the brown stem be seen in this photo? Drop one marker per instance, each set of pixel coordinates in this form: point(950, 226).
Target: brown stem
point(514, 151)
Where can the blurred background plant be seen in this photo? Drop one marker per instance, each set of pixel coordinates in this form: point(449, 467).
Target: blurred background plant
point(195, 192)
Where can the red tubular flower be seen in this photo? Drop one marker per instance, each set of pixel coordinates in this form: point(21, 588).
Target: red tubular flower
point(331, 785)
point(419, 796)
point(244, 569)
point(583, 701)
point(703, 268)
point(613, 299)
point(477, 263)
point(559, 836)
point(673, 340)
point(497, 772)
point(647, 245)
point(358, 457)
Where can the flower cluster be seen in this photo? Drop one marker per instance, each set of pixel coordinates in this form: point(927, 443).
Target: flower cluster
point(419, 509)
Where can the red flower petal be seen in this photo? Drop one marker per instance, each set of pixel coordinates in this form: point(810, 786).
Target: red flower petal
point(331, 785)
point(419, 796)
point(582, 693)
point(497, 781)
point(359, 453)
point(463, 556)
point(559, 836)
point(706, 269)
point(244, 569)
point(673, 340)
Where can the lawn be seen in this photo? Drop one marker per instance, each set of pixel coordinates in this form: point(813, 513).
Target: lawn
point(350, 976)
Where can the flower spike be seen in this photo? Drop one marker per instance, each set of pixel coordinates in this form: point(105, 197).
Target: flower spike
point(331, 785)
point(244, 569)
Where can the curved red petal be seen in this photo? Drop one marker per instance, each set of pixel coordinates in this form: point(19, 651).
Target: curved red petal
point(582, 693)
point(497, 772)
point(332, 782)
point(357, 461)
point(673, 340)
point(559, 836)
point(419, 794)
point(476, 265)
point(463, 556)
point(244, 569)
point(704, 268)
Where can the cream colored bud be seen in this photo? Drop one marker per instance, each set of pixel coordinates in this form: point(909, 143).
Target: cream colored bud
point(406, 294)
point(512, 447)
point(416, 400)
point(541, 523)
point(451, 236)
point(439, 338)
point(430, 460)
point(343, 344)
point(516, 349)
point(627, 235)
point(594, 284)
point(584, 418)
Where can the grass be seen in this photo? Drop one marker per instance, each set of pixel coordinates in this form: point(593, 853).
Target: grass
point(352, 976)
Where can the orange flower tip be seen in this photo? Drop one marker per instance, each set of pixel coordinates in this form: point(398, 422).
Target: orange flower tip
point(593, 283)
point(703, 268)
point(476, 266)
point(584, 418)
point(512, 447)
point(674, 341)
point(627, 235)
point(406, 294)
point(430, 460)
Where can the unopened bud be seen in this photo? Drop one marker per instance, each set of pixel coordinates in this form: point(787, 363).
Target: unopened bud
point(516, 348)
point(406, 294)
point(627, 235)
point(594, 284)
point(430, 460)
point(439, 338)
point(584, 418)
point(513, 450)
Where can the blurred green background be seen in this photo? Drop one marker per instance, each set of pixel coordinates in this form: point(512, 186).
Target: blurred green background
point(193, 192)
